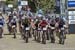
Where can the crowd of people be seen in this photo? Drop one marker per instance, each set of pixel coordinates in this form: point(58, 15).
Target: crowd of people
point(41, 27)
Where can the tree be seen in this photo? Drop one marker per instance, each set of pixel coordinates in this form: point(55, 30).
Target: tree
point(14, 2)
point(8, 2)
point(44, 4)
point(32, 6)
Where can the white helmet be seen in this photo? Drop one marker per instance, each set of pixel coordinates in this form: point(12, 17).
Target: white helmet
point(39, 15)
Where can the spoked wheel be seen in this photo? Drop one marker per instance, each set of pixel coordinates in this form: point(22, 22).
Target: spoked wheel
point(22, 35)
point(62, 39)
point(14, 32)
point(44, 38)
point(48, 34)
point(52, 37)
point(38, 37)
point(0, 32)
point(26, 37)
point(35, 35)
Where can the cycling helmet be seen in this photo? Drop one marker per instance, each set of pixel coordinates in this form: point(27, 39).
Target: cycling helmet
point(39, 15)
point(44, 18)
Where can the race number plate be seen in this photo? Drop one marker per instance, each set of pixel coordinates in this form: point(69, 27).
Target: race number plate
point(44, 28)
point(52, 27)
point(62, 28)
point(13, 26)
point(65, 26)
point(27, 28)
point(39, 29)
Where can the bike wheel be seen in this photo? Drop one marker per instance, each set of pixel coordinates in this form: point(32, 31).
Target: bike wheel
point(47, 36)
point(38, 37)
point(35, 35)
point(0, 33)
point(62, 39)
point(26, 36)
point(43, 38)
point(14, 33)
point(52, 37)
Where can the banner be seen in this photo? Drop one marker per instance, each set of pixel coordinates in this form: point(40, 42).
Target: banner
point(24, 2)
point(10, 6)
point(71, 3)
point(71, 21)
point(71, 17)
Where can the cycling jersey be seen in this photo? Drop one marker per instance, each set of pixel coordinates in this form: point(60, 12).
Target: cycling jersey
point(61, 23)
point(1, 22)
point(26, 22)
point(52, 23)
point(43, 23)
point(14, 20)
point(10, 17)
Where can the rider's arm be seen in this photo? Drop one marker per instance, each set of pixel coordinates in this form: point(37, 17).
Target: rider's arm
point(40, 23)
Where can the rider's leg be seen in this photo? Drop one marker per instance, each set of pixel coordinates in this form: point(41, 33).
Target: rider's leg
point(52, 36)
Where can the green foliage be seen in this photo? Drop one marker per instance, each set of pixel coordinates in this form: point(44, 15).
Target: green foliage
point(35, 4)
point(44, 4)
point(8, 2)
point(32, 6)
point(14, 2)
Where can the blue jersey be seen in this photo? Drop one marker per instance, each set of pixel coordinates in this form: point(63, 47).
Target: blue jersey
point(1, 21)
